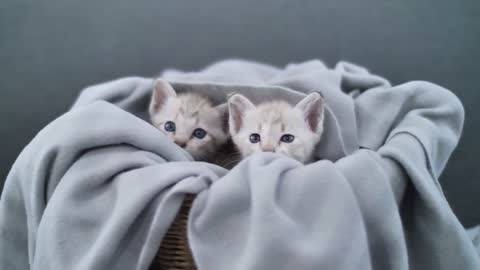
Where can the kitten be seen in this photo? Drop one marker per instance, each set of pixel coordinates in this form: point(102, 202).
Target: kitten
point(189, 119)
point(277, 126)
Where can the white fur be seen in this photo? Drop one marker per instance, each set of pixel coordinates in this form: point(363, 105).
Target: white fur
point(188, 111)
point(272, 120)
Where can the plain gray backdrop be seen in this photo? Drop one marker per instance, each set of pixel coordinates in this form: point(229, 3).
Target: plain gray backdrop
point(50, 50)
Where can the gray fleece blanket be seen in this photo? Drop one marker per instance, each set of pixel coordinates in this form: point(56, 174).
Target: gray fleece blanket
point(99, 186)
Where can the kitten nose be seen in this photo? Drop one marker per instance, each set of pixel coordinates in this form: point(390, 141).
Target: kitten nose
point(181, 143)
point(268, 148)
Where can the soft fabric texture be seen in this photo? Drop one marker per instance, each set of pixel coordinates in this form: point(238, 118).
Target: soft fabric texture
point(99, 186)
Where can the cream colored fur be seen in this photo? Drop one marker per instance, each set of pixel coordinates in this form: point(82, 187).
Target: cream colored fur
point(273, 119)
point(188, 111)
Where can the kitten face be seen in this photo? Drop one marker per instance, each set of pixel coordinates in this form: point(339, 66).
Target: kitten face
point(277, 126)
point(188, 119)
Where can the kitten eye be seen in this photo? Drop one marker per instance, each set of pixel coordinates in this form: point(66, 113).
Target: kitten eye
point(254, 138)
point(287, 138)
point(199, 133)
point(169, 126)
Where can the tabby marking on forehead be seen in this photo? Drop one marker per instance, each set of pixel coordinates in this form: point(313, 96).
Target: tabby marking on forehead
point(274, 113)
point(191, 104)
point(277, 126)
point(189, 112)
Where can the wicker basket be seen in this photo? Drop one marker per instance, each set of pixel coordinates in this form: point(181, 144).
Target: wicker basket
point(174, 252)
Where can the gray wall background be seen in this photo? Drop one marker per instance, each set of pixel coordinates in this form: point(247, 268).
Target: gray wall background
point(50, 50)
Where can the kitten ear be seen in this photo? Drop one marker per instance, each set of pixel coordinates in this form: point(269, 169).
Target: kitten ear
point(162, 91)
point(222, 109)
point(237, 105)
point(312, 107)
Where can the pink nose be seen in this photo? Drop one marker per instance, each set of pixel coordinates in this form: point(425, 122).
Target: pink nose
point(268, 148)
point(181, 143)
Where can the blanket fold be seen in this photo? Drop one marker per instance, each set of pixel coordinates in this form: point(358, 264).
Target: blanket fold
point(99, 187)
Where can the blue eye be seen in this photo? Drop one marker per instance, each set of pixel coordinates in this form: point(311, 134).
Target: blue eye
point(287, 138)
point(254, 138)
point(170, 126)
point(199, 133)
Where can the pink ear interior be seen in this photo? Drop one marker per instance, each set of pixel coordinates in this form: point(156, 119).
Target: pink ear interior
point(237, 105)
point(312, 107)
point(162, 90)
point(235, 116)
